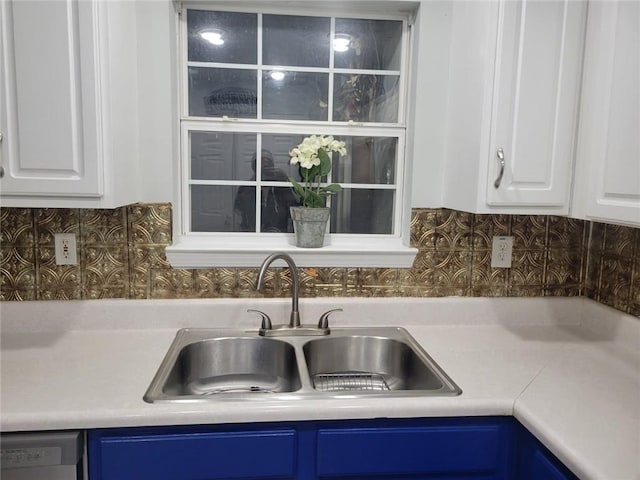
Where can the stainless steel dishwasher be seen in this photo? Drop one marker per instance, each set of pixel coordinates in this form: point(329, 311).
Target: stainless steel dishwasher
point(42, 456)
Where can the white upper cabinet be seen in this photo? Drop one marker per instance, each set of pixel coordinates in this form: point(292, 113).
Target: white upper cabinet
point(607, 184)
point(67, 103)
point(513, 104)
point(45, 140)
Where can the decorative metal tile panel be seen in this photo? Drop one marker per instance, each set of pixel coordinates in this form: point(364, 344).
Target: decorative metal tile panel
point(488, 226)
point(16, 227)
point(17, 254)
point(122, 254)
point(529, 231)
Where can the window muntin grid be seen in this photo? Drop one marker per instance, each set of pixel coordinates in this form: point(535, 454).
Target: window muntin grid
point(251, 111)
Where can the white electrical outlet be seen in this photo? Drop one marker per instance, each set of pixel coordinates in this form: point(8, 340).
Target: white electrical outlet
point(501, 250)
point(66, 253)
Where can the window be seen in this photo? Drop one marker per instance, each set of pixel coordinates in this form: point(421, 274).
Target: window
point(253, 86)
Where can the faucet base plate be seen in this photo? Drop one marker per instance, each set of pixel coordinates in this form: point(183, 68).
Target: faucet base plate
point(288, 331)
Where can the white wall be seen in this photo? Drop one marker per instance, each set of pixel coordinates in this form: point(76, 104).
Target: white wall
point(158, 100)
point(426, 143)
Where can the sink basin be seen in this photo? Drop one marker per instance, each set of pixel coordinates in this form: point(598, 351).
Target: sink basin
point(209, 364)
point(196, 367)
point(367, 363)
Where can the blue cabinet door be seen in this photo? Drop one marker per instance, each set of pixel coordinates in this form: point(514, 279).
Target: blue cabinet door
point(453, 448)
point(187, 455)
point(536, 462)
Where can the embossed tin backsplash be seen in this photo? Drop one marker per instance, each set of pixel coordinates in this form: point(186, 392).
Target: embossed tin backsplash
point(121, 255)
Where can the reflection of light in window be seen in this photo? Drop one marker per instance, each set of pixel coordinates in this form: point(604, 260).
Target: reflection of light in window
point(212, 36)
point(277, 75)
point(341, 42)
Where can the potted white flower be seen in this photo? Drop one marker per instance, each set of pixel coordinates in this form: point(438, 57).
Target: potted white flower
point(313, 157)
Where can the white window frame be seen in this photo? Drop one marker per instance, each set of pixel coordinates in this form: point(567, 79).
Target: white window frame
point(241, 249)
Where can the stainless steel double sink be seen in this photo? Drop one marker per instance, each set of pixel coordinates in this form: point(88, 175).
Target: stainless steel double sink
point(204, 365)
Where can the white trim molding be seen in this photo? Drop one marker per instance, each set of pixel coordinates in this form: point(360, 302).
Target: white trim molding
point(238, 251)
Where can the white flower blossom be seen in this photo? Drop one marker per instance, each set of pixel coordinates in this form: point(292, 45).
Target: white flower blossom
point(307, 156)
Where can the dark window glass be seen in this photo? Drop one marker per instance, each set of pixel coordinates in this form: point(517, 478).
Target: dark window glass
point(362, 211)
point(223, 208)
point(295, 95)
point(222, 37)
point(279, 146)
point(296, 41)
point(216, 92)
point(365, 98)
point(274, 210)
point(368, 160)
point(223, 156)
point(368, 44)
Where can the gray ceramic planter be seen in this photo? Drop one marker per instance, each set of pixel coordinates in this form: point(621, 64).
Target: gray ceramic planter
point(309, 225)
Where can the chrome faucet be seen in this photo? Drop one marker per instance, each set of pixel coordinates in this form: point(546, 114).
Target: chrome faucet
point(294, 327)
point(294, 321)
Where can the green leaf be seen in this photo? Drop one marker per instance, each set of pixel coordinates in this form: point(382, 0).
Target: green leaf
point(333, 188)
point(314, 200)
point(309, 174)
point(297, 188)
point(325, 162)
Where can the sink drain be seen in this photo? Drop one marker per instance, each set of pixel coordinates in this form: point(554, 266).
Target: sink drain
point(236, 383)
point(338, 382)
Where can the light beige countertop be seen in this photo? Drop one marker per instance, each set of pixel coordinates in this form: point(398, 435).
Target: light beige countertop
point(567, 368)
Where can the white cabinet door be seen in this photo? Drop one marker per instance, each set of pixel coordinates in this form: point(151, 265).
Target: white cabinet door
point(514, 82)
point(608, 156)
point(48, 99)
point(534, 114)
point(69, 96)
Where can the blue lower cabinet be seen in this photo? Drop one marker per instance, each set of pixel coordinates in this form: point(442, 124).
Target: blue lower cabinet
point(174, 455)
point(456, 449)
point(478, 448)
point(536, 462)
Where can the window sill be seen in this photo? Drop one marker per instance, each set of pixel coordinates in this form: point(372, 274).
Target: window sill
point(237, 251)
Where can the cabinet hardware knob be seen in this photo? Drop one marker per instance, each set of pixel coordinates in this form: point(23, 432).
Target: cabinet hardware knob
point(500, 155)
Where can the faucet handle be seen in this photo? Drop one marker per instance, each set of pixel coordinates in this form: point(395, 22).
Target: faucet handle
point(324, 318)
point(266, 321)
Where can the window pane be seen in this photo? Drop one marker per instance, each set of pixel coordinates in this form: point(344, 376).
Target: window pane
point(368, 160)
point(275, 203)
point(222, 156)
point(368, 44)
point(223, 37)
point(295, 96)
point(214, 92)
point(365, 98)
point(279, 147)
point(295, 41)
point(362, 211)
point(222, 208)
point(228, 43)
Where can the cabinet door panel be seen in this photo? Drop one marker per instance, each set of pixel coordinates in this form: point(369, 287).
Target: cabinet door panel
point(221, 455)
point(543, 468)
point(389, 451)
point(46, 98)
point(535, 462)
point(535, 106)
point(609, 143)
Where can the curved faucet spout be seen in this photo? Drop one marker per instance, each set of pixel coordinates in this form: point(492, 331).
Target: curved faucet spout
point(295, 287)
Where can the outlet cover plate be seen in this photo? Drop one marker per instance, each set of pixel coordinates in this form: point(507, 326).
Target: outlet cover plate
point(66, 253)
point(501, 250)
